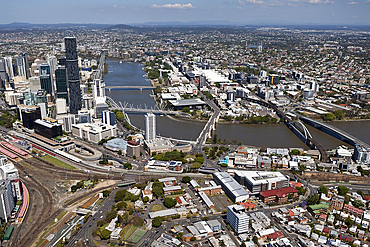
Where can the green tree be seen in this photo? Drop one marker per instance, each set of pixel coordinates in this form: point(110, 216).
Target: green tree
point(120, 195)
point(105, 234)
point(338, 114)
point(185, 179)
point(111, 215)
point(255, 239)
point(121, 205)
point(342, 190)
point(138, 221)
point(328, 116)
point(323, 190)
point(295, 152)
point(169, 202)
point(157, 221)
point(179, 236)
point(127, 166)
point(157, 191)
point(145, 199)
point(106, 193)
point(186, 109)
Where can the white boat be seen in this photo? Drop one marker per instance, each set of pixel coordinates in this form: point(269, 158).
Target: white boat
point(120, 61)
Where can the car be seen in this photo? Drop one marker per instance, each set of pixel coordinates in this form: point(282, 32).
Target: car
point(101, 217)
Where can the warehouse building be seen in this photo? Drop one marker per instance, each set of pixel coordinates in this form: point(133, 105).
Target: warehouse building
point(232, 188)
point(257, 181)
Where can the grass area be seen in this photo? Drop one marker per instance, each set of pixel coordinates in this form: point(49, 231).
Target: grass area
point(127, 231)
point(57, 162)
point(96, 243)
point(136, 236)
point(156, 207)
point(173, 196)
point(61, 215)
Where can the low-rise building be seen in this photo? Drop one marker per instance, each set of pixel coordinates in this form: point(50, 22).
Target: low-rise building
point(278, 195)
point(93, 132)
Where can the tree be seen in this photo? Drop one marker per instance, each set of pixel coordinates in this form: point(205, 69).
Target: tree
point(120, 195)
point(342, 190)
point(295, 152)
point(193, 238)
point(111, 215)
point(314, 199)
point(169, 202)
point(138, 221)
point(121, 205)
point(157, 221)
point(106, 193)
point(328, 116)
point(145, 199)
point(157, 191)
point(96, 178)
point(186, 109)
point(323, 190)
point(127, 166)
point(357, 204)
point(255, 239)
point(179, 236)
point(185, 179)
point(105, 234)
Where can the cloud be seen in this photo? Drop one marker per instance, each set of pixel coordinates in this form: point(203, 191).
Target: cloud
point(353, 3)
point(118, 7)
point(174, 6)
point(255, 1)
point(240, 8)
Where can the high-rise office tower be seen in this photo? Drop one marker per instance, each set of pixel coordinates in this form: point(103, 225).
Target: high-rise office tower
point(53, 62)
point(26, 65)
point(150, 127)
point(3, 75)
point(61, 82)
point(62, 61)
point(98, 88)
point(108, 117)
point(9, 66)
point(21, 67)
point(73, 76)
point(46, 78)
point(35, 83)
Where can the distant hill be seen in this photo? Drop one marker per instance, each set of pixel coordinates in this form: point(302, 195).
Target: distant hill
point(29, 26)
point(120, 26)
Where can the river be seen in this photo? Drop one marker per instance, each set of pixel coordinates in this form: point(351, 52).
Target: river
point(271, 135)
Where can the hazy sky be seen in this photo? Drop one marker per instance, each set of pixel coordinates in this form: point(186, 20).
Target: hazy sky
point(342, 12)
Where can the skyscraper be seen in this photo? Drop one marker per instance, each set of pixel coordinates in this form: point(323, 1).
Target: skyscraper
point(53, 62)
point(3, 75)
point(26, 65)
point(46, 78)
point(73, 76)
point(61, 82)
point(150, 127)
point(9, 66)
point(21, 67)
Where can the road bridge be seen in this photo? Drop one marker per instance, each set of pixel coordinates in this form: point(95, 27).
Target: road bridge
point(109, 88)
point(296, 127)
point(333, 131)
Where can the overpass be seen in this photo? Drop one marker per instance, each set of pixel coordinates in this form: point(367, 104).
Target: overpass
point(296, 127)
point(210, 125)
point(109, 88)
point(333, 131)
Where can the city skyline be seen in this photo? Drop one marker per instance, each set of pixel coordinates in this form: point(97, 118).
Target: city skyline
point(241, 12)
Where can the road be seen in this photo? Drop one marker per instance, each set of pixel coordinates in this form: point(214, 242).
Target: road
point(85, 231)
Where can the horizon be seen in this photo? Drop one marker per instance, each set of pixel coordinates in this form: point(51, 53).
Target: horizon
point(237, 12)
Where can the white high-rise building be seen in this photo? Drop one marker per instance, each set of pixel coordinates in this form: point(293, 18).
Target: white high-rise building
point(9, 66)
point(35, 83)
point(98, 89)
point(150, 127)
point(238, 218)
point(67, 123)
point(61, 106)
point(53, 63)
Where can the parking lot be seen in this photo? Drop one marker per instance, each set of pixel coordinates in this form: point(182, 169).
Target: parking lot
point(220, 202)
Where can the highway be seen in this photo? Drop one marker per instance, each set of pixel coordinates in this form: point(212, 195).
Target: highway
point(85, 231)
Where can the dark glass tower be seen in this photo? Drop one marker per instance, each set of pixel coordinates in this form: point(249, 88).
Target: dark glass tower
point(73, 75)
point(61, 82)
point(26, 65)
point(46, 79)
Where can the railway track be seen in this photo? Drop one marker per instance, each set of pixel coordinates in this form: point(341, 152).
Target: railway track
point(43, 219)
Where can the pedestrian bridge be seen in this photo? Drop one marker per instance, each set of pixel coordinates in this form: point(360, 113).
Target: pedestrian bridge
point(109, 88)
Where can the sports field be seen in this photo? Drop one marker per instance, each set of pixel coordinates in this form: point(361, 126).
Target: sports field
point(136, 236)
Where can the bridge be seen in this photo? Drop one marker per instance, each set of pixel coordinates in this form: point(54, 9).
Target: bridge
point(296, 127)
point(210, 125)
point(333, 131)
point(99, 71)
point(129, 87)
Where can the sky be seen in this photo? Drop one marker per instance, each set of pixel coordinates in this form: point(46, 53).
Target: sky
point(244, 12)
